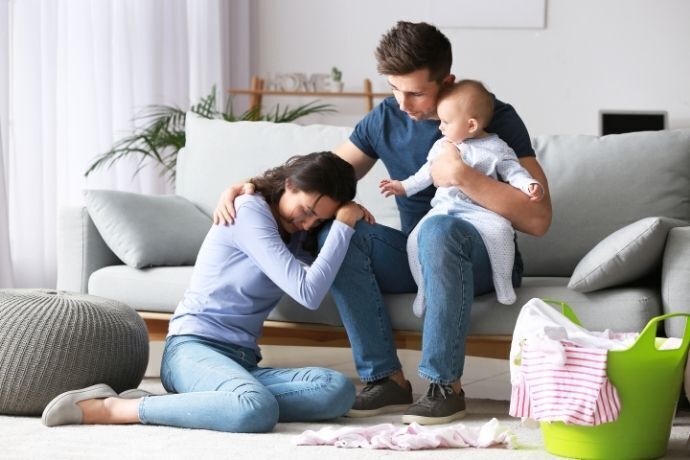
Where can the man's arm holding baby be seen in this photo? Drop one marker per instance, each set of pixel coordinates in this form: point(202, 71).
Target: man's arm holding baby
point(529, 216)
point(510, 170)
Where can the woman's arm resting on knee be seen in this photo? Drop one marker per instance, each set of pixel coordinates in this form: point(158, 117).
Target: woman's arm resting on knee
point(350, 213)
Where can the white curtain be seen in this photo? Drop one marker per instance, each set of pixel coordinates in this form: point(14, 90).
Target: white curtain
point(78, 72)
point(6, 272)
point(5, 257)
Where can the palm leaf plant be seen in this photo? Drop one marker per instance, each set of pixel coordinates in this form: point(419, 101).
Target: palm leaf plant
point(160, 131)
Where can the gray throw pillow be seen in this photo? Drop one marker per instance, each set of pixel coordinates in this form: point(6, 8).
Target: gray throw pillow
point(148, 230)
point(625, 255)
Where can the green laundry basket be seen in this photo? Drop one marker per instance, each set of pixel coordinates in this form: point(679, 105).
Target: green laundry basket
point(648, 382)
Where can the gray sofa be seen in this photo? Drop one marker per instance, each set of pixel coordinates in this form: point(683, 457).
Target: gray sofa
point(624, 264)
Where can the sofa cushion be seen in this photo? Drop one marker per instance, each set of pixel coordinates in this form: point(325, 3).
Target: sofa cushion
point(622, 309)
point(157, 289)
point(160, 289)
point(147, 230)
point(625, 255)
point(601, 184)
point(218, 154)
point(675, 273)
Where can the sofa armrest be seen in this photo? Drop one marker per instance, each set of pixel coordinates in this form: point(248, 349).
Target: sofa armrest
point(80, 249)
point(675, 273)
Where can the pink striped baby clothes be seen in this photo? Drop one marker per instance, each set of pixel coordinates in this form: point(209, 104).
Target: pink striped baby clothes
point(577, 392)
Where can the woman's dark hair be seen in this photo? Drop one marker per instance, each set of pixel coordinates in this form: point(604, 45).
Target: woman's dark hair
point(324, 173)
point(409, 46)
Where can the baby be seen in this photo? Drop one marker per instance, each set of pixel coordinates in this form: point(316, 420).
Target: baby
point(465, 109)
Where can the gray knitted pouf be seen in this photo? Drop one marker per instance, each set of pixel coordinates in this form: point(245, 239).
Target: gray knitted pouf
point(54, 341)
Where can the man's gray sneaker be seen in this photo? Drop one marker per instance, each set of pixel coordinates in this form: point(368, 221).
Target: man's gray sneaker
point(380, 397)
point(440, 404)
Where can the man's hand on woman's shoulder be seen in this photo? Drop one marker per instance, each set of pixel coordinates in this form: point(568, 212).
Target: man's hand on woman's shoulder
point(224, 213)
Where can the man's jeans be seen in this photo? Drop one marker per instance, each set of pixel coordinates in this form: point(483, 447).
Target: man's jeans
point(220, 387)
point(455, 266)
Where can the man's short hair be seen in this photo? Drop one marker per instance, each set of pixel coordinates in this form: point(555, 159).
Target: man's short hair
point(408, 47)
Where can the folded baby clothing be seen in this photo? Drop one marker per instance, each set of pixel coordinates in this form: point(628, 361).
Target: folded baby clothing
point(410, 437)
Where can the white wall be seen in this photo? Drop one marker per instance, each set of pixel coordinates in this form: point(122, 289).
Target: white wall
point(592, 55)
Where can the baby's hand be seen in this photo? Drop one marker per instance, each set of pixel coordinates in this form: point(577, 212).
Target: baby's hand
point(535, 192)
point(391, 187)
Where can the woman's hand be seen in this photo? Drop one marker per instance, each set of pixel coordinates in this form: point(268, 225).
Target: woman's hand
point(349, 213)
point(225, 210)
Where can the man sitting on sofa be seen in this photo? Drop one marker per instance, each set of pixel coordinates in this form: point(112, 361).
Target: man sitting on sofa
point(416, 58)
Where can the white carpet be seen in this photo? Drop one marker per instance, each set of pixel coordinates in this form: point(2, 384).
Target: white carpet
point(27, 438)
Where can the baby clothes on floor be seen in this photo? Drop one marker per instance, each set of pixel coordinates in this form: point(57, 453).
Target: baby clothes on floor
point(410, 437)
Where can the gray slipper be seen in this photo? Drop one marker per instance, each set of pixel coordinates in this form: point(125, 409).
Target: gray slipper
point(135, 393)
point(63, 409)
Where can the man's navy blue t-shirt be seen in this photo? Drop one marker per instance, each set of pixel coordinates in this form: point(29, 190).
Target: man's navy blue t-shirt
point(390, 135)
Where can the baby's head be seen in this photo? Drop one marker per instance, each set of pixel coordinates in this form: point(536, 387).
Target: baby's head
point(465, 109)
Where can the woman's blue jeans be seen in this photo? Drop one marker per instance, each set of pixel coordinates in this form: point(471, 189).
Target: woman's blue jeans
point(455, 266)
point(219, 387)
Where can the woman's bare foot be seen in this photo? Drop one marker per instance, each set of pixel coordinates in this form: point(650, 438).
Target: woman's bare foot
point(110, 411)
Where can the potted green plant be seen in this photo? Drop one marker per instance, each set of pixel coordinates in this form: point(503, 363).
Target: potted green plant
point(160, 131)
point(337, 77)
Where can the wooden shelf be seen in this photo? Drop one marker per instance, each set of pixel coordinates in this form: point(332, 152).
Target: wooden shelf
point(257, 92)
